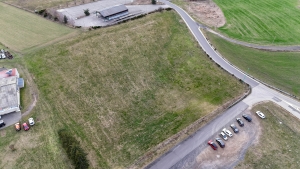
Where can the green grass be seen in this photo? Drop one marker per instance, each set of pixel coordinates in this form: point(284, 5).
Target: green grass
point(121, 91)
point(280, 69)
point(21, 30)
point(278, 145)
point(264, 22)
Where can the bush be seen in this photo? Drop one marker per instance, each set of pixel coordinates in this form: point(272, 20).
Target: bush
point(153, 2)
point(65, 19)
point(73, 149)
point(86, 12)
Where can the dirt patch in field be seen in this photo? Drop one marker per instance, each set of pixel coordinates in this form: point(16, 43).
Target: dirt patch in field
point(234, 150)
point(207, 12)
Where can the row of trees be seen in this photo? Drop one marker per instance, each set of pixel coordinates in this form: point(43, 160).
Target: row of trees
point(73, 149)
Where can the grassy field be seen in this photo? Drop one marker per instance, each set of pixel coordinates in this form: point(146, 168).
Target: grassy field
point(276, 68)
point(278, 146)
point(264, 22)
point(43, 4)
point(21, 30)
point(120, 91)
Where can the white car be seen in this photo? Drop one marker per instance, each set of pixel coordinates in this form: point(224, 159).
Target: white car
point(260, 114)
point(223, 135)
point(227, 132)
point(31, 121)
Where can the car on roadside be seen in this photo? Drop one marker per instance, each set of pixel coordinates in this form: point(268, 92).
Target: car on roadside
point(223, 136)
point(227, 132)
point(17, 126)
point(31, 121)
point(220, 142)
point(212, 144)
point(234, 128)
point(2, 124)
point(260, 114)
point(240, 122)
point(247, 117)
point(25, 126)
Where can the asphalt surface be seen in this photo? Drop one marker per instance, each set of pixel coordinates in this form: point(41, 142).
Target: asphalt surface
point(259, 93)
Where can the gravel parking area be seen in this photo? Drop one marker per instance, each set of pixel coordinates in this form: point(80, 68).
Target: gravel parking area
point(204, 157)
point(77, 17)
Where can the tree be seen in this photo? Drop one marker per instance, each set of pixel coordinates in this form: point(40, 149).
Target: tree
point(86, 12)
point(153, 2)
point(65, 19)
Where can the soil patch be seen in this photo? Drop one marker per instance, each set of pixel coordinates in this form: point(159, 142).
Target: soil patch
point(207, 12)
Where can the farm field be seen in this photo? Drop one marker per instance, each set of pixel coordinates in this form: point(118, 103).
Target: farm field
point(21, 30)
point(264, 22)
point(278, 144)
point(120, 90)
point(279, 69)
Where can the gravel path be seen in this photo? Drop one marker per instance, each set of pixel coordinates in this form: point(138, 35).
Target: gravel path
point(294, 48)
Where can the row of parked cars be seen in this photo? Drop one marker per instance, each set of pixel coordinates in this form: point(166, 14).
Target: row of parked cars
point(25, 125)
point(225, 133)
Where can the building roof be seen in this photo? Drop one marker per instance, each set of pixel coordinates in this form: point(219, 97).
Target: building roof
point(9, 91)
point(113, 10)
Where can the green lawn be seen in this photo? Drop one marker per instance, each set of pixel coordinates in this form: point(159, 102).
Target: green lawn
point(21, 30)
point(120, 90)
point(280, 69)
point(265, 22)
point(278, 145)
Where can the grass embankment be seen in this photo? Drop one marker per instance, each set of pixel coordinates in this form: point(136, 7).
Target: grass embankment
point(22, 30)
point(121, 90)
point(264, 22)
point(38, 4)
point(280, 69)
point(278, 146)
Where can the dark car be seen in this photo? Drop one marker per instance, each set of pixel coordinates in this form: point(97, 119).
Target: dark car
point(25, 126)
point(220, 142)
point(212, 144)
point(234, 128)
point(2, 124)
point(247, 117)
point(239, 120)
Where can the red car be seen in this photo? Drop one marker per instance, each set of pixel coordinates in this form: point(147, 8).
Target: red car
point(25, 126)
point(212, 144)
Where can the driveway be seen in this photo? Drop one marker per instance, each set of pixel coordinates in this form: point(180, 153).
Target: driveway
point(10, 119)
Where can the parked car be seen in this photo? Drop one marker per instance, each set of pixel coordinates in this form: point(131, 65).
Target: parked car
point(220, 142)
point(25, 126)
point(260, 114)
point(2, 124)
point(227, 132)
point(31, 121)
point(223, 135)
point(18, 126)
point(234, 128)
point(212, 144)
point(247, 117)
point(240, 122)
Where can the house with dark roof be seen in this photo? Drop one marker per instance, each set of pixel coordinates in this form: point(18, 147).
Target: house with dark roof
point(113, 12)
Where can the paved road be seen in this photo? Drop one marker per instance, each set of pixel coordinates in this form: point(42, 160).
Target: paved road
point(259, 93)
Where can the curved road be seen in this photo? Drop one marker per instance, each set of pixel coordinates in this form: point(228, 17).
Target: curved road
point(259, 93)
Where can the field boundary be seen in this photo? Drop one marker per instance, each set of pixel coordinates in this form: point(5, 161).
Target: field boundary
point(291, 48)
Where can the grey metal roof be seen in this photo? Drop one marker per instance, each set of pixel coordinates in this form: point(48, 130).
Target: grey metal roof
point(113, 10)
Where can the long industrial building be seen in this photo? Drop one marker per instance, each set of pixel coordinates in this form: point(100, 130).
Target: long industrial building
point(113, 12)
point(10, 85)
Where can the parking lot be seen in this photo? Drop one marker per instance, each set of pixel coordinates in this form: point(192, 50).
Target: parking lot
point(204, 157)
point(76, 16)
